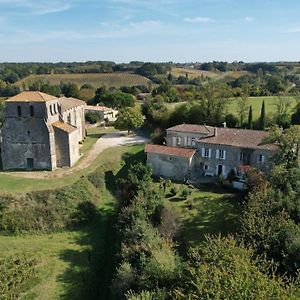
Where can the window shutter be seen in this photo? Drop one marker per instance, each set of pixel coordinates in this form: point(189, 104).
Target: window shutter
point(203, 152)
point(262, 158)
point(224, 154)
point(209, 153)
point(217, 153)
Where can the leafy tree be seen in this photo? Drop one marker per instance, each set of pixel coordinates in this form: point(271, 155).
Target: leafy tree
point(243, 106)
point(129, 119)
point(92, 118)
point(295, 119)
point(69, 89)
point(223, 268)
point(262, 119)
point(115, 100)
point(250, 118)
point(288, 141)
point(231, 121)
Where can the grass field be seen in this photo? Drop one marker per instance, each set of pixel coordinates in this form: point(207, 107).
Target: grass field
point(76, 264)
point(12, 183)
point(96, 80)
point(192, 73)
point(214, 211)
point(256, 103)
point(223, 76)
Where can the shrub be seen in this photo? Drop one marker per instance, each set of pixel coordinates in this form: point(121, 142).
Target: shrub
point(47, 211)
point(185, 193)
point(92, 118)
point(16, 274)
point(173, 191)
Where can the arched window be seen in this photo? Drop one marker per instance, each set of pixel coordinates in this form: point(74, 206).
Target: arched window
point(31, 111)
point(19, 111)
point(51, 110)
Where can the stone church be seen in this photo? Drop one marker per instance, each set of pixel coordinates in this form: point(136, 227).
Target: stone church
point(41, 132)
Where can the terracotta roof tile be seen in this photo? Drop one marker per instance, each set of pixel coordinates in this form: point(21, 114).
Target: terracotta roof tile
point(181, 152)
point(98, 108)
point(64, 126)
point(244, 138)
point(68, 103)
point(193, 128)
point(31, 96)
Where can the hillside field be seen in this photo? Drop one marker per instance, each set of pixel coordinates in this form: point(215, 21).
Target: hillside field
point(256, 103)
point(96, 80)
point(223, 76)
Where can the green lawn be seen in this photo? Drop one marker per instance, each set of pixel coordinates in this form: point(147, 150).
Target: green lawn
point(78, 264)
point(12, 183)
point(213, 211)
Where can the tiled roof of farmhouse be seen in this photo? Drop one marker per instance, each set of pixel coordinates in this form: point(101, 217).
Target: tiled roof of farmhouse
point(193, 128)
point(98, 108)
point(244, 138)
point(31, 96)
point(68, 103)
point(181, 152)
point(64, 127)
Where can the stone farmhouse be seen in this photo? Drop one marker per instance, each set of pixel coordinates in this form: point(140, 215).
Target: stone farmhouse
point(41, 131)
point(194, 151)
point(106, 114)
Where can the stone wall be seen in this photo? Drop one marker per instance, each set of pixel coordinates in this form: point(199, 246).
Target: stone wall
point(182, 139)
point(62, 147)
point(75, 117)
point(173, 167)
point(25, 138)
point(232, 158)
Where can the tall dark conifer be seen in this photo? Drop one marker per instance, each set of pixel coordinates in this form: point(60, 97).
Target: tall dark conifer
point(262, 119)
point(250, 118)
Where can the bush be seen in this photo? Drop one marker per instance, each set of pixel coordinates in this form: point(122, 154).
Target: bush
point(185, 193)
point(92, 118)
point(16, 274)
point(47, 211)
point(173, 191)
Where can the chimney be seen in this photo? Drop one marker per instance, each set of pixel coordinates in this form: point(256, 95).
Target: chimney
point(216, 131)
point(224, 124)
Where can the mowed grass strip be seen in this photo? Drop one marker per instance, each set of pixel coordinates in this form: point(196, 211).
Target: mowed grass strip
point(11, 183)
point(96, 80)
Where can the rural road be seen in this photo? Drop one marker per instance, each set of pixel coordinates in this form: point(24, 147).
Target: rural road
point(105, 142)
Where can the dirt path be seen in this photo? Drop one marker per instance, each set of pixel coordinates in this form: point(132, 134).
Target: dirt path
point(106, 141)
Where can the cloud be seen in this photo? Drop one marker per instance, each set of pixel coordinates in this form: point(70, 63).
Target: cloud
point(293, 30)
point(249, 19)
point(198, 20)
point(37, 7)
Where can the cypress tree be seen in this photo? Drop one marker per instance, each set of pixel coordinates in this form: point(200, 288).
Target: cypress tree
point(250, 118)
point(262, 120)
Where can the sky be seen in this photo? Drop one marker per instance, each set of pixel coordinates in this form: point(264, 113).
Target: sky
point(149, 30)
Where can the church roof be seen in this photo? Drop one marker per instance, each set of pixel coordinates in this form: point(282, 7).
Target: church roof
point(64, 127)
point(68, 103)
point(31, 96)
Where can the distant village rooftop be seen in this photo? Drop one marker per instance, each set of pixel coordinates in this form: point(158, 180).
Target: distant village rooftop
point(31, 96)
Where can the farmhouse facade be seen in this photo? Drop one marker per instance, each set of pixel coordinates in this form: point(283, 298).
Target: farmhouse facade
point(194, 151)
point(41, 131)
point(106, 114)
